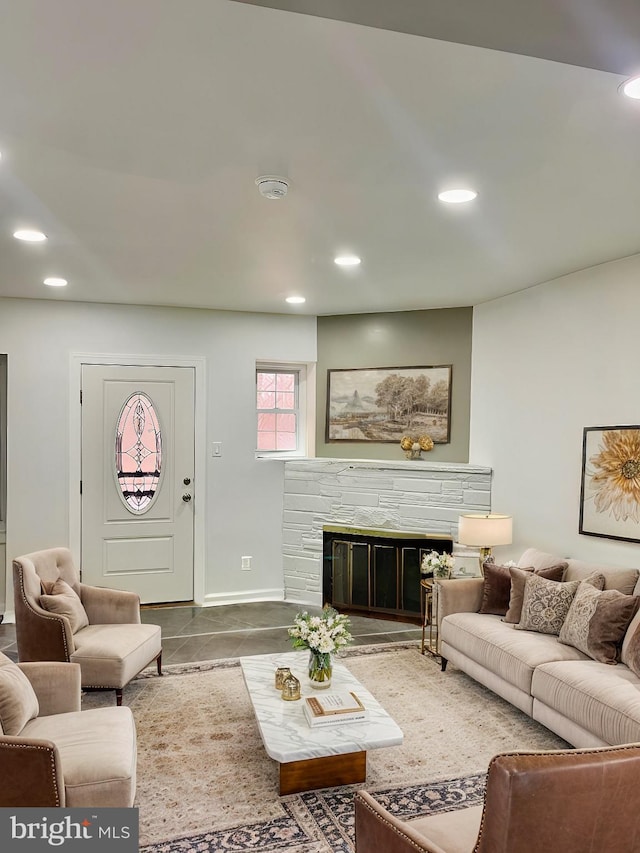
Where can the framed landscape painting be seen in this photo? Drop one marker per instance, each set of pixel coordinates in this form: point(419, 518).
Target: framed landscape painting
point(385, 403)
point(610, 489)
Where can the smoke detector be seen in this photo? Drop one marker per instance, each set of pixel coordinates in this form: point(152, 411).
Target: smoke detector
point(272, 186)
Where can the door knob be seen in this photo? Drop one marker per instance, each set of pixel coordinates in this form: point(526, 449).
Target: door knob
point(186, 497)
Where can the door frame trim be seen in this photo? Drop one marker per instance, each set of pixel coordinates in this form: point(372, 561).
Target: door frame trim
point(199, 363)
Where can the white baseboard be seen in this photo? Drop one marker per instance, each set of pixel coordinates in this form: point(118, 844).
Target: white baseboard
point(310, 598)
point(9, 617)
point(216, 598)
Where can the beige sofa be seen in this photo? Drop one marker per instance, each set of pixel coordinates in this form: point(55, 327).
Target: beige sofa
point(585, 702)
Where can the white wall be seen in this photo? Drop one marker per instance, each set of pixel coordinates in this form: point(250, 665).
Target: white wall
point(243, 495)
point(546, 363)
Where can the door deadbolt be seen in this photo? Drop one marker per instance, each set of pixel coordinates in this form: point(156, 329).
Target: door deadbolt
point(186, 481)
point(186, 497)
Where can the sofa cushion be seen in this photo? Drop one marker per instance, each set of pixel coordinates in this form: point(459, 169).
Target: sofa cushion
point(517, 577)
point(60, 598)
point(111, 655)
point(97, 752)
point(495, 645)
point(545, 604)
point(602, 699)
point(624, 580)
point(597, 621)
point(538, 559)
point(18, 700)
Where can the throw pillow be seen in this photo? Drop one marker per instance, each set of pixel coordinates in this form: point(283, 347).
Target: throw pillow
point(62, 599)
point(496, 588)
point(517, 578)
point(630, 654)
point(545, 604)
point(597, 621)
point(18, 701)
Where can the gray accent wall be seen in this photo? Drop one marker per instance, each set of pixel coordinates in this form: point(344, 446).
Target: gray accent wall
point(399, 339)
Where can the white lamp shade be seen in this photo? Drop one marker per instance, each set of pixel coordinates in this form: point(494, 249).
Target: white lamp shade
point(484, 531)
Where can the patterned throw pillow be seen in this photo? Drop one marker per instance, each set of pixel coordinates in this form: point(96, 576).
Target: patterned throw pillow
point(517, 578)
point(597, 622)
point(545, 604)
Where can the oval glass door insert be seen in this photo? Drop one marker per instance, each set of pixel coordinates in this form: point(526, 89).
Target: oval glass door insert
point(138, 453)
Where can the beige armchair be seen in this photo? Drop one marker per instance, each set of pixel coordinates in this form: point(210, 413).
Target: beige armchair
point(101, 632)
point(560, 802)
point(54, 754)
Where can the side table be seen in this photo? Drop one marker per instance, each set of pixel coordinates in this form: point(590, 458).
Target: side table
point(429, 616)
point(429, 591)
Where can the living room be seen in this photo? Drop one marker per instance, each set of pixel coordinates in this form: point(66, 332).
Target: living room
point(532, 365)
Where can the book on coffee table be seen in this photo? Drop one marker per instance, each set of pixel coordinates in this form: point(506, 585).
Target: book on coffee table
point(332, 709)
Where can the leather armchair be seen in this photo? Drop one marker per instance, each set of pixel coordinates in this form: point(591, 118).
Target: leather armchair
point(560, 802)
point(64, 756)
point(113, 648)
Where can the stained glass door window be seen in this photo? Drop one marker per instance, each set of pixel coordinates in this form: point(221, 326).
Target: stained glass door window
point(138, 453)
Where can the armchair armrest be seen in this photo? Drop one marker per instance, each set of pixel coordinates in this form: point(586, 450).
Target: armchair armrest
point(31, 773)
point(378, 830)
point(110, 606)
point(56, 684)
point(526, 797)
point(463, 595)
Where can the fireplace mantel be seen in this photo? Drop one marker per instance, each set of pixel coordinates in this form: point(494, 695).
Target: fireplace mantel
point(412, 496)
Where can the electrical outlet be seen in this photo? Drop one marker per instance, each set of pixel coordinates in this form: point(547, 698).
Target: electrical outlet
point(216, 448)
point(245, 563)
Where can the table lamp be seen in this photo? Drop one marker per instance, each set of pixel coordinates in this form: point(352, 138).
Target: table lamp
point(484, 531)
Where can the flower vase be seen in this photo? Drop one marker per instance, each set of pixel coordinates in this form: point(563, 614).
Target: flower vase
point(320, 669)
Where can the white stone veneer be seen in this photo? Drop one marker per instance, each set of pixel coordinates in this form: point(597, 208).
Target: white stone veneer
point(412, 496)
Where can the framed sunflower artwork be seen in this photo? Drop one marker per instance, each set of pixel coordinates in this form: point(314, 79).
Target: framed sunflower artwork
point(610, 490)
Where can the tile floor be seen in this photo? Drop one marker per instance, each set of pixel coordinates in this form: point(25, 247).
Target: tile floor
point(206, 633)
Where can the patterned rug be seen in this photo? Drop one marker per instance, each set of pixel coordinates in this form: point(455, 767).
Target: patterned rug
point(323, 820)
point(206, 784)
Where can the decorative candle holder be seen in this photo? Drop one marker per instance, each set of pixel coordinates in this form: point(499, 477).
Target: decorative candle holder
point(281, 674)
point(290, 688)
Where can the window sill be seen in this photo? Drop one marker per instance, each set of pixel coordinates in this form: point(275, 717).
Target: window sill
point(281, 457)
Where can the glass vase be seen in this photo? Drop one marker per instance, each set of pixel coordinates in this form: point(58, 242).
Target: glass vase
point(320, 669)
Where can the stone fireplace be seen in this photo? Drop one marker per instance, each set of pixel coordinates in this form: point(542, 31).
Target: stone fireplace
point(416, 498)
point(376, 572)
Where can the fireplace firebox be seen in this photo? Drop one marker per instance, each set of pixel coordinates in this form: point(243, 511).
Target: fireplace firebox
point(376, 572)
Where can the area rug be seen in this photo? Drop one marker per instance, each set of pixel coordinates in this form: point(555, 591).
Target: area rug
point(205, 782)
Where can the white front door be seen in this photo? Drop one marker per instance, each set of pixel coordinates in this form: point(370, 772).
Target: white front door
point(137, 480)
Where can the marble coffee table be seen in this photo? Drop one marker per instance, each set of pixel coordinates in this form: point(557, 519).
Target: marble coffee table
point(321, 757)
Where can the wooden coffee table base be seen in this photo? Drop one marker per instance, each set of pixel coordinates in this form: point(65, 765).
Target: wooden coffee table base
point(296, 776)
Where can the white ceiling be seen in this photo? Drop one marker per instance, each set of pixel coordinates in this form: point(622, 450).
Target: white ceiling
point(131, 132)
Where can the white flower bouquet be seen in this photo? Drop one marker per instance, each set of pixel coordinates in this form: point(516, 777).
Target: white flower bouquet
point(326, 633)
point(438, 565)
point(323, 635)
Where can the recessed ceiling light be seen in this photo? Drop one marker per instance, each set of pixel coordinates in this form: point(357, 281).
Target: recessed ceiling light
point(295, 300)
point(631, 88)
point(347, 260)
point(457, 196)
point(52, 281)
point(29, 236)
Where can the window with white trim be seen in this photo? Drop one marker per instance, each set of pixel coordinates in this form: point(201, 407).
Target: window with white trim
point(280, 408)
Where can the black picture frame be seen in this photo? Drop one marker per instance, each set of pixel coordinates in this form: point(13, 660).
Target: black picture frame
point(610, 483)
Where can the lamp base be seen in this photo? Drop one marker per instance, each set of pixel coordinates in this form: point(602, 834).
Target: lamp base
point(484, 553)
